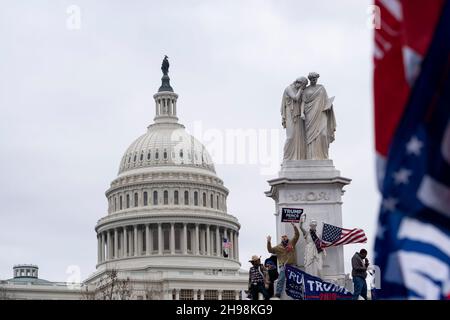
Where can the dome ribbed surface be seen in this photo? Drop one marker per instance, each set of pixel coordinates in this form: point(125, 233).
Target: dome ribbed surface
point(166, 145)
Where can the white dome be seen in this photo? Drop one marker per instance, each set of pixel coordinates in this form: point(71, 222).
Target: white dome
point(167, 207)
point(166, 144)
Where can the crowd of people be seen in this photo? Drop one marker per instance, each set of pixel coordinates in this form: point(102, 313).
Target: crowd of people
point(262, 277)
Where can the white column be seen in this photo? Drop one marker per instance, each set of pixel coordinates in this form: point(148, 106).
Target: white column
point(184, 238)
point(147, 239)
point(172, 238)
point(135, 246)
point(195, 294)
point(108, 245)
point(202, 294)
point(177, 294)
point(219, 296)
point(116, 244)
point(218, 242)
point(236, 295)
point(102, 239)
point(125, 242)
point(236, 248)
point(160, 239)
point(140, 248)
point(151, 238)
point(197, 245)
point(99, 246)
point(202, 241)
point(208, 241)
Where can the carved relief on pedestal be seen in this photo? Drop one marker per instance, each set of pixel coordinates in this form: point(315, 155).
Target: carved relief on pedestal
point(308, 196)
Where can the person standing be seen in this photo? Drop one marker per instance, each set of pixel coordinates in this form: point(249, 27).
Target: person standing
point(271, 267)
point(286, 255)
point(258, 279)
point(359, 273)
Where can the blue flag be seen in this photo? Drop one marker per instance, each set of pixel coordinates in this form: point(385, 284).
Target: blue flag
point(413, 239)
point(303, 286)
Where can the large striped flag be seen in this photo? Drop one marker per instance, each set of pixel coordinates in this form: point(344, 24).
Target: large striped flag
point(336, 236)
point(412, 131)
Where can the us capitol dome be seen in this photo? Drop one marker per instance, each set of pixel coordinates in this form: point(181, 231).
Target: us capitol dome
point(167, 227)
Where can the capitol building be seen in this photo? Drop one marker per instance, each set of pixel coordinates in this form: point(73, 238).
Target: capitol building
point(167, 233)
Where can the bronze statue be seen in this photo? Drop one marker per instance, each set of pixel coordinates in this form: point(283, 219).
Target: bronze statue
point(165, 65)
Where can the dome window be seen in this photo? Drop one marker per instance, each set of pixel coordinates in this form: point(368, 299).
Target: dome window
point(128, 201)
point(175, 197)
point(166, 197)
point(155, 198)
point(136, 199)
point(134, 159)
point(186, 197)
point(148, 155)
point(165, 155)
point(145, 198)
point(211, 201)
point(181, 153)
point(129, 159)
point(217, 202)
point(157, 155)
point(120, 203)
point(204, 199)
point(142, 157)
point(195, 198)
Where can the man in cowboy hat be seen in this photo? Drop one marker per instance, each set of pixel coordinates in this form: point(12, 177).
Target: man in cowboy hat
point(285, 252)
point(257, 279)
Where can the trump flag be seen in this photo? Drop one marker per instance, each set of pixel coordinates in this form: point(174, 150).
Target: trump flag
point(303, 286)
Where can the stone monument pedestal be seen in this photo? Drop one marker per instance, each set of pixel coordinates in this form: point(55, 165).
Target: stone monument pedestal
point(316, 187)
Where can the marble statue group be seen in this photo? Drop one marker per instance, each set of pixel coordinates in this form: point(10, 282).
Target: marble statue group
point(308, 116)
point(308, 181)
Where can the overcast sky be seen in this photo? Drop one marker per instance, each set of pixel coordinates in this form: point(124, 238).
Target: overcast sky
point(72, 100)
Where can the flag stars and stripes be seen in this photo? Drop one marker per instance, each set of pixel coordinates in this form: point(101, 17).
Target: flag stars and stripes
point(389, 204)
point(414, 146)
point(402, 176)
point(336, 236)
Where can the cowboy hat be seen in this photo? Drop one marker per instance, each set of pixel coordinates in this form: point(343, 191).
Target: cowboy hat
point(254, 258)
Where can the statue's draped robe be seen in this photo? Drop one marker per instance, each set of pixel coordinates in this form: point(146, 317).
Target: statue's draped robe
point(294, 147)
point(313, 258)
point(320, 123)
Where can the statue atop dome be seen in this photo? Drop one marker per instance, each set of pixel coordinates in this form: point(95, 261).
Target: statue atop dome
point(165, 65)
point(165, 80)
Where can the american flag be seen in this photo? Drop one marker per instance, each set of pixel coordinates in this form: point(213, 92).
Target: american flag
point(335, 236)
point(226, 244)
point(412, 130)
